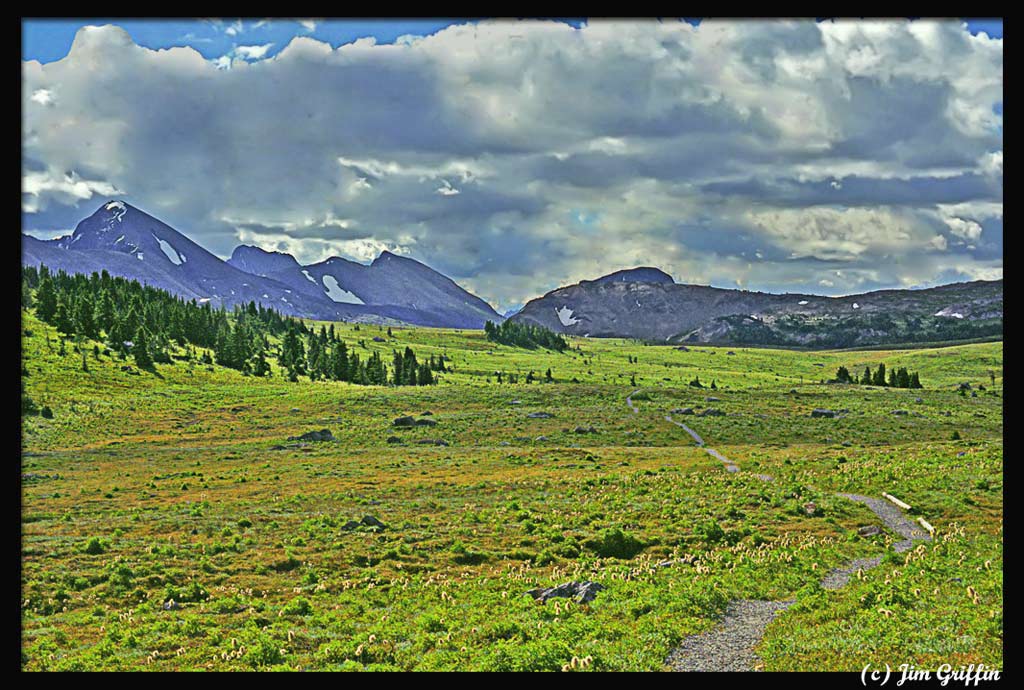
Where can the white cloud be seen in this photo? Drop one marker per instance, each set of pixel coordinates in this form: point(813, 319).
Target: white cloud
point(42, 96)
point(813, 125)
point(234, 29)
point(252, 52)
point(308, 24)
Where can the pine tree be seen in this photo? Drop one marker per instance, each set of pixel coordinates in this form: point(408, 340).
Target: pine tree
point(879, 377)
point(46, 299)
point(892, 378)
point(547, 376)
point(865, 380)
point(915, 382)
point(902, 378)
point(140, 350)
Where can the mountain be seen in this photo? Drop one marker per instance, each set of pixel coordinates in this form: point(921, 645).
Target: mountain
point(127, 242)
point(392, 281)
point(617, 305)
point(260, 262)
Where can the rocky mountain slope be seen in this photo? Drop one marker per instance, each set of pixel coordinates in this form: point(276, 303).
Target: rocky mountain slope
point(642, 304)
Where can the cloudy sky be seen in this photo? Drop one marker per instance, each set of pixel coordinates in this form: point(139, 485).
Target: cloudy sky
point(826, 157)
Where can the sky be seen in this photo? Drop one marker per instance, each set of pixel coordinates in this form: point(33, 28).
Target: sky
point(832, 157)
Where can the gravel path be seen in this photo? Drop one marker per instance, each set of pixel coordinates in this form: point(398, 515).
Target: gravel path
point(894, 519)
point(730, 646)
point(629, 401)
point(839, 577)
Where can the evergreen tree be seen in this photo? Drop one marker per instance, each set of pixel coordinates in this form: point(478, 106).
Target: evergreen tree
point(46, 299)
point(547, 376)
point(879, 377)
point(865, 380)
point(892, 378)
point(140, 350)
point(915, 382)
point(902, 378)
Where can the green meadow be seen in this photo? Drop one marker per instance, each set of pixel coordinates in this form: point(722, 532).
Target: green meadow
point(168, 522)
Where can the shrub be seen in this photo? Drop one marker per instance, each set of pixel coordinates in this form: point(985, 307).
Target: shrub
point(614, 543)
point(94, 546)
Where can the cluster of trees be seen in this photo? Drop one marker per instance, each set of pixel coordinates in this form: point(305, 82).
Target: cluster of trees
point(407, 371)
point(524, 335)
point(147, 323)
point(897, 378)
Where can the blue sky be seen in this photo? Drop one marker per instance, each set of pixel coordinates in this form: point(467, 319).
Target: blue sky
point(50, 39)
point(517, 156)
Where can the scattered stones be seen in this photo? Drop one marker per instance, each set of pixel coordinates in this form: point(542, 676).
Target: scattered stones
point(712, 412)
point(821, 412)
point(683, 410)
point(869, 530)
point(404, 421)
point(322, 435)
point(540, 415)
point(367, 521)
point(730, 646)
point(583, 592)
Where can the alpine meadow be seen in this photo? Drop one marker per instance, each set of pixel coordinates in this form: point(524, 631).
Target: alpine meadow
point(503, 345)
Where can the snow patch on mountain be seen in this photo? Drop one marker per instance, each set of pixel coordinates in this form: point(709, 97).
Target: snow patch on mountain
point(337, 293)
point(566, 317)
point(308, 277)
point(170, 252)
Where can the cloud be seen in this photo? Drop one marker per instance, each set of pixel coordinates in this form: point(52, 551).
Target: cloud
point(252, 52)
point(859, 147)
point(308, 24)
point(42, 96)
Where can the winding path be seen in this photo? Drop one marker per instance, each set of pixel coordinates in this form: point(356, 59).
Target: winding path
point(730, 645)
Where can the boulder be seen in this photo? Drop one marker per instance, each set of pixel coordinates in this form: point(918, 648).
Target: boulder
point(900, 413)
point(426, 422)
point(394, 439)
point(428, 413)
point(683, 410)
point(371, 521)
point(730, 352)
point(869, 530)
point(585, 430)
point(540, 415)
point(820, 412)
point(404, 421)
point(316, 436)
point(583, 592)
point(712, 412)
point(378, 339)
point(683, 348)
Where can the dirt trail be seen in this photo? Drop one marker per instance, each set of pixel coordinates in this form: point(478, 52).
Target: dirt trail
point(730, 645)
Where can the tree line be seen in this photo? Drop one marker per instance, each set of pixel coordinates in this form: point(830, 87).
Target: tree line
point(146, 323)
point(897, 378)
point(524, 335)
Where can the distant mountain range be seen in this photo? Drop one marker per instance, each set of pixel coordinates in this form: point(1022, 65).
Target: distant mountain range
point(645, 303)
point(128, 242)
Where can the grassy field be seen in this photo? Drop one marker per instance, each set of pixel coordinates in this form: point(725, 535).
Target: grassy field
point(180, 485)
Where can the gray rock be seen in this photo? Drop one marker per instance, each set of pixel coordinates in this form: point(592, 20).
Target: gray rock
point(404, 421)
point(918, 400)
point(171, 605)
point(540, 415)
point(730, 352)
point(900, 413)
point(585, 430)
point(712, 412)
point(378, 339)
point(683, 410)
point(350, 525)
point(712, 398)
point(431, 441)
point(394, 439)
point(820, 412)
point(428, 413)
point(516, 402)
point(426, 422)
point(541, 438)
point(583, 592)
point(316, 436)
point(371, 521)
point(683, 348)
point(869, 530)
